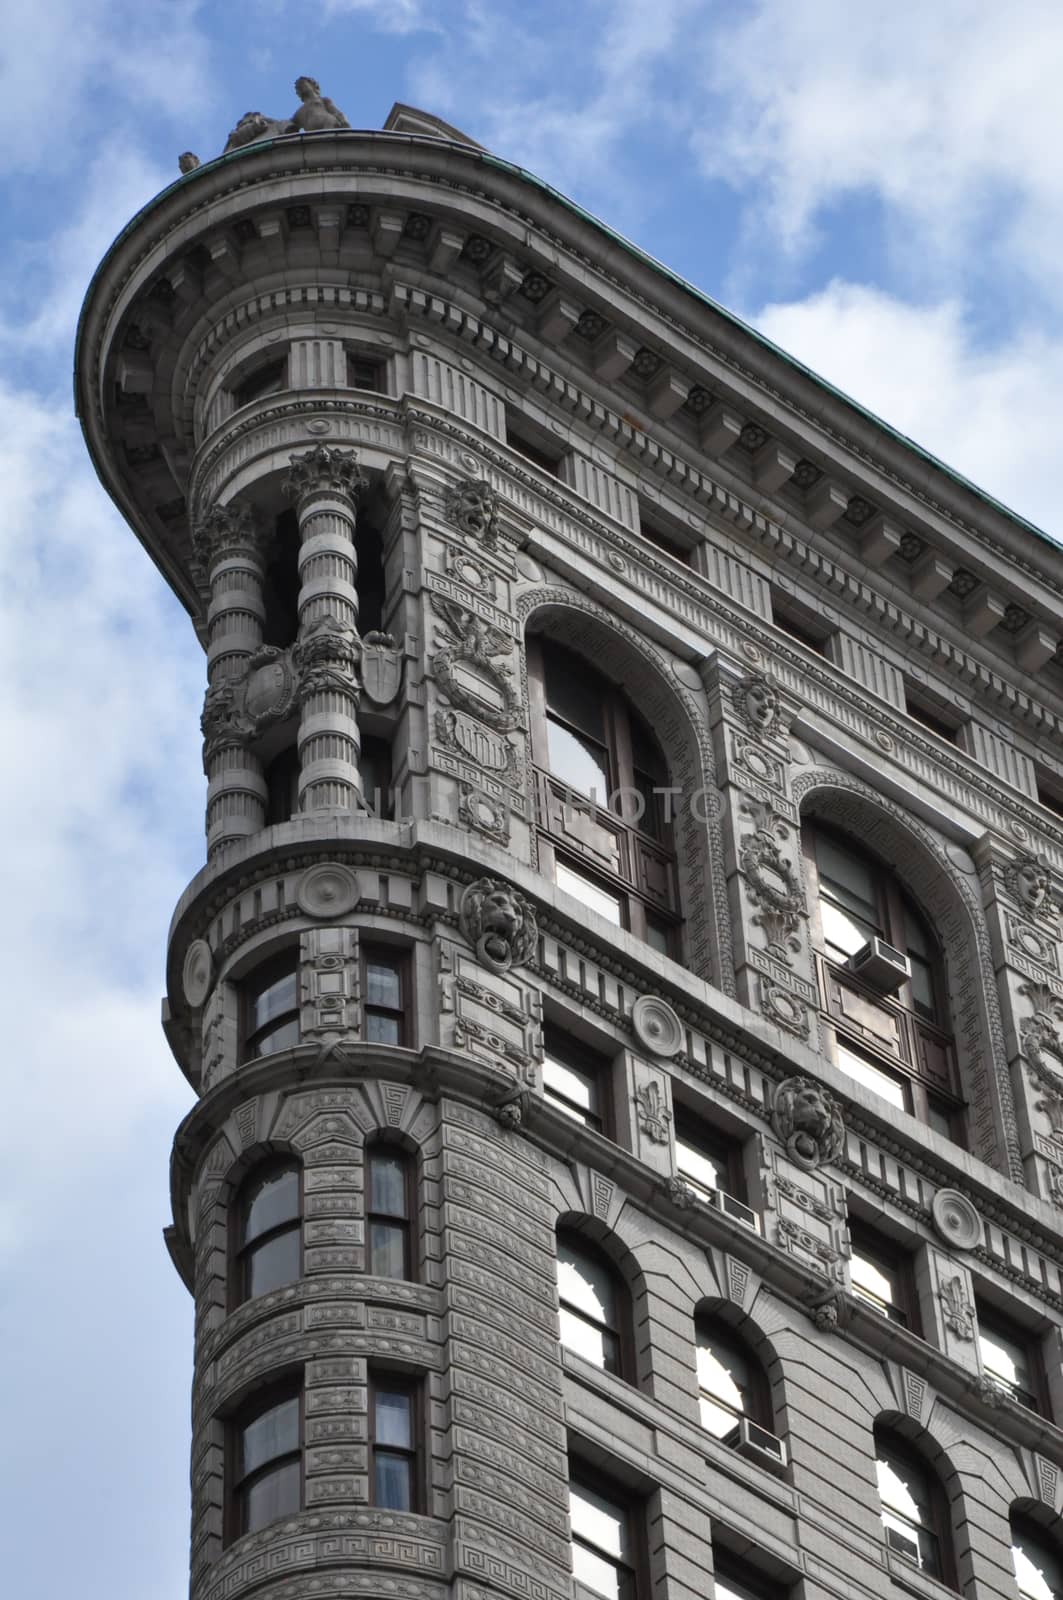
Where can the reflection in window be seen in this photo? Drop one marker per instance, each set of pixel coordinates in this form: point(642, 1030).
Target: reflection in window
point(705, 1158)
point(267, 1468)
point(589, 1297)
point(1038, 1566)
point(388, 1212)
point(603, 1559)
point(595, 896)
point(1011, 1357)
point(909, 1505)
point(881, 1276)
point(872, 1077)
point(269, 1244)
point(271, 1007)
point(727, 1380)
point(383, 1002)
point(574, 1079)
point(393, 1424)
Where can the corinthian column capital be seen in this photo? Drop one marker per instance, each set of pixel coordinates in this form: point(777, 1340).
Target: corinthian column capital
point(227, 530)
point(324, 470)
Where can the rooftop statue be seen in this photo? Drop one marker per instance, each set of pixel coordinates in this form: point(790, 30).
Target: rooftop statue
point(316, 114)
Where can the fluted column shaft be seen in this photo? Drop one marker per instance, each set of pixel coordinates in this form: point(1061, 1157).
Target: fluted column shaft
point(230, 549)
point(325, 484)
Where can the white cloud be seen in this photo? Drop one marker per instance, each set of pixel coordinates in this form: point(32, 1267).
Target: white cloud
point(390, 16)
point(74, 73)
point(992, 414)
point(947, 114)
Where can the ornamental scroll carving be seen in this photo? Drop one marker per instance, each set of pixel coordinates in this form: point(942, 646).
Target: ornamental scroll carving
point(808, 1122)
point(226, 531)
point(1042, 1049)
point(499, 924)
point(471, 670)
point(772, 882)
point(472, 506)
point(237, 709)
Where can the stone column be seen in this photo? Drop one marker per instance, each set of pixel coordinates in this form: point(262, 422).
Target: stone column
point(230, 550)
point(325, 484)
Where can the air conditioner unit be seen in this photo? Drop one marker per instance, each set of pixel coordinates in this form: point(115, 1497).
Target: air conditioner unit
point(903, 1544)
point(733, 1208)
point(757, 1444)
point(880, 965)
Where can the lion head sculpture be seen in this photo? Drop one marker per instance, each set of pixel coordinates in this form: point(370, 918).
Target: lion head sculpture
point(499, 923)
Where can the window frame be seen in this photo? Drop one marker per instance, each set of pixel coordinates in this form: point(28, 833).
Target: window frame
point(894, 1261)
point(1022, 1530)
point(587, 1063)
point(940, 1519)
point(240, 1250)
point(622, 1334)
point(583, 1476)
point(412, 1386)
point(377, 1143)
point(931, 1101)
point(397, 956)
point(759, 1411)
point(655, 919)
point(715, 1146)
point(990, 1319)
point(264, 975)
point(273, 1394)
point(374, 359)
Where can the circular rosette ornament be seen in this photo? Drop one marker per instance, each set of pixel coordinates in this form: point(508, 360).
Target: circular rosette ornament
point(327, 891)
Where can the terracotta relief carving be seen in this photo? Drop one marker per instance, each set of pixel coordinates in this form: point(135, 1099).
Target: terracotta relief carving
point(499, 923)
point(808, 1122)
point(773, 883)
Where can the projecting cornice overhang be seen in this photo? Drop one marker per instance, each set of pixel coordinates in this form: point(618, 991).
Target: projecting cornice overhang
point(693, 362)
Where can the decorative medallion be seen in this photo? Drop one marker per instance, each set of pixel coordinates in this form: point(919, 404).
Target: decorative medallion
point(197, 972)
point(657, 1026)
point(327, 891)
point(784, 1008)
point(956, 1219)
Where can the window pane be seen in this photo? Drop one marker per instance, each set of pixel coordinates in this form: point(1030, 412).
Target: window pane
point(1006, 1359)
point(704, 1170)
point(273, 1264)
point(277, 998)
point(847, 878)
point(274, 1433)
point(387, 1182)
point(579, 1089)
point(722, 1373)
point(1038, 1570)
point(577, 761)
point(380, 1029)
point(875, 1284)
point(387, 1249)
point(275, 1494)
point(281, 1038)
point(658, 934)
point(595, 1572)
point(394, 1481)
point(394, 1411)
point(865, 1072)
point(843, 933)
point(586, 1284)
point(275, 1200)
point(599, 1522)
point(939, 1117)
point(382, 984)
point(589, 893)
point(574, 691)
point(728, 1589)
point(589, 1340)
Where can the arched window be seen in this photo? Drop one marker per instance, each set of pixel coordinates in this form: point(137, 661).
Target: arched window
point(915, 1516)
point(1038, 1563)
point(730, 1383)
point(269, 1240)
point(389, 1209)
point(593, 1304)
point(882, 981)
point(602, 801)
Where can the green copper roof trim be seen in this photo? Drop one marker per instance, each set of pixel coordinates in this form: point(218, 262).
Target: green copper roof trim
point(487, 159)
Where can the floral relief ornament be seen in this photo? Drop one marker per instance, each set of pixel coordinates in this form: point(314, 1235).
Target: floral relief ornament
point(808, 1122)
point(1042, 1048)
point(771, 880)
point(499, 924)
point(653, 1114)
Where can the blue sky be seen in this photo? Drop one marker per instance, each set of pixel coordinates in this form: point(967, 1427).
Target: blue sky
point(877, 187)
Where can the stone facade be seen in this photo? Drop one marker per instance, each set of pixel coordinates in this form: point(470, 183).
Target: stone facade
point(382, 412)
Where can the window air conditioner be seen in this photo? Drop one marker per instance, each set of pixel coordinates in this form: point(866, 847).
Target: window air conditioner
point(880, 965)
point(733, 1208)
point(757, 1444)
point(902, 1544)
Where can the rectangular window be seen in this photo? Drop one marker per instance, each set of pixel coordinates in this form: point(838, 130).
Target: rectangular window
point(393, 1431)
point(576, 1079)
point(650, 528)
point(265, 1461)
point(1012, 1356)
point(270, 1006)
point(595, 896)
point(364, 373)
point(936, 719)
point(1050, 793)
point(603, 1549)
point(269, 379)
point(532, 443)
point(389, 1180)
point(881, 1275)
point(890, 1087)
point(385, 980)
point(804, 626)
point(705, 1158)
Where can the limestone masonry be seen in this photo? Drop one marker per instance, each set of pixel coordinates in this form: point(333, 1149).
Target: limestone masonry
point(624, 991)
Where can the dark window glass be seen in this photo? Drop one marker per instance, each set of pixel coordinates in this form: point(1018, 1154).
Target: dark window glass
point(910, 1502)
point(269, 1251)
point(388, 1212)
point(267, 1466)
point(574, 1079)
point(533, 447)
point(271, 1007)
point(1038, 1565)
point(282, 784)
point(881, 1276)
point(364, 373)
point(730, 1385)
point(374, 765)
point(394, 1425)
point(1011, 1356)
point(800, 627)
point(383, 995)
point(848, 908)
point(705, 1158)
point(590, 1298)
point(728, 1585)
point(269, 379)
point(603, 1557)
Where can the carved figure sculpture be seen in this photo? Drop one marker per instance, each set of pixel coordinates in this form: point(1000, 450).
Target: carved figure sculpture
point(809, 1123)
point(317, 112)
point(1029, 882)
point(188, 161)
point(472, 506)
point(253, 126)
point(757, 701)
point(499, 923)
